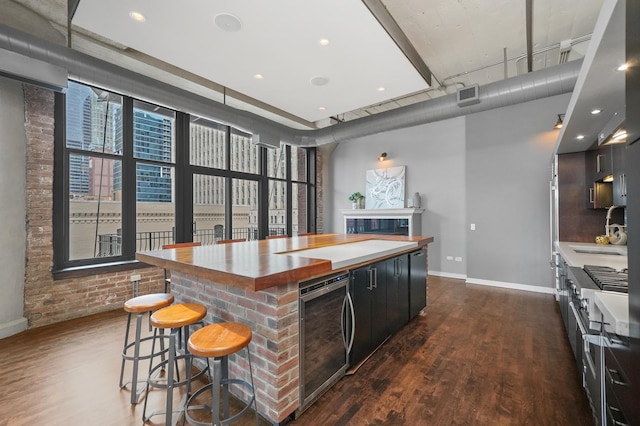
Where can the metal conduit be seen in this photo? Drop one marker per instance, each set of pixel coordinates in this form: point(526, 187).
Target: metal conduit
point(535, 85)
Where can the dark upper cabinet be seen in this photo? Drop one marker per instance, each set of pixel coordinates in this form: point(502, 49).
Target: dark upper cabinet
point(598, 172)
point(618, 152)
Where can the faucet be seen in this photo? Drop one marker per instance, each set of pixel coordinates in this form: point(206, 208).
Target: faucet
point(606, 226)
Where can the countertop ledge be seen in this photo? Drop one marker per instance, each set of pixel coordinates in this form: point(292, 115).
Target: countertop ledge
point(580, 254)
point(258, 265)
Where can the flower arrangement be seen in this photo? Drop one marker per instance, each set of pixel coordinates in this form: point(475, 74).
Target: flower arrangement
point(357, 199)
point(356, 196)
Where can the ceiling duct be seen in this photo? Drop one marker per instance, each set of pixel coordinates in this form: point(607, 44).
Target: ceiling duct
point(550, 81)
point(32, 71)
point(468, 95)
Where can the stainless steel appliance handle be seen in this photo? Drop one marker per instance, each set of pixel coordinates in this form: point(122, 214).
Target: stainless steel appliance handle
point(342, 313)
point(353, 323)
point(583, 330)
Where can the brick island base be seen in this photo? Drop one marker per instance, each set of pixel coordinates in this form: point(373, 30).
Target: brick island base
point(272, 315)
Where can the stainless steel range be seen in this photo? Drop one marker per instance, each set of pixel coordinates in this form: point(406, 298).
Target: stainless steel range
point(608, 279)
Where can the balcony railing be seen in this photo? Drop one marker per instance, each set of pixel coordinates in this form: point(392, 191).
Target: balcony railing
point(111, 244)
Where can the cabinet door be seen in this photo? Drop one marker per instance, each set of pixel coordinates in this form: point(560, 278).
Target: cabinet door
point(360, 290)
point(397, 293)
point(417, 282)
point(619, 175)
point(379, 330)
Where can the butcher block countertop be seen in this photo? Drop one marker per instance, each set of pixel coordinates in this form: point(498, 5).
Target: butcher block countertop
point(261, 264)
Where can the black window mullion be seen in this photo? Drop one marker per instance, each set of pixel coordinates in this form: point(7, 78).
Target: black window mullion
point(289, 190)
point(128, 182)
point(184, 181)
point(263, 196)
point(311, 190)
point(228, 187)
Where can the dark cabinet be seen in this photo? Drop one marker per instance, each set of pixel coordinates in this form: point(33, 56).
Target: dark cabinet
point(619, 176)
point(368, 290)
point(598, 170)
point(397, 283)
point(417, 282)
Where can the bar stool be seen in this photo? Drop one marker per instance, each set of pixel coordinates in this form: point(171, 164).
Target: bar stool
point(176, 317)
point(140, 305)
point(217, 341)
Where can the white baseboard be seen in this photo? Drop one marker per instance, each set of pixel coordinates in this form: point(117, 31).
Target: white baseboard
point(524, 287)
point(13, 327)
point(448, 275)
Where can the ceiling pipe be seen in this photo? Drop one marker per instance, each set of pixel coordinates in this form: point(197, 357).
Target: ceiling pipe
point(547, 82)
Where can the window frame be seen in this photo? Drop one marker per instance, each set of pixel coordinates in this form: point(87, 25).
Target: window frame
point(183, 187)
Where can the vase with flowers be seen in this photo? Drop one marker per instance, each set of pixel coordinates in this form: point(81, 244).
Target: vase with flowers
point(357, 200)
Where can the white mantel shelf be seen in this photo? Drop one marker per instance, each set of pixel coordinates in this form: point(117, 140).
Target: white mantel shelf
point(381, 213)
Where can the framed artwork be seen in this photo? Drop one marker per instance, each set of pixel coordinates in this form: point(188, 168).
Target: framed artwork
point(385, 188)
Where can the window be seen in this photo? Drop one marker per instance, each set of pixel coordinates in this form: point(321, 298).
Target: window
point(130, 176)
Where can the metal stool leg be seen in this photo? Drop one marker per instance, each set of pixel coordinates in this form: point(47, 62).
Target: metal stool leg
point(136, 354)
point(126, 343)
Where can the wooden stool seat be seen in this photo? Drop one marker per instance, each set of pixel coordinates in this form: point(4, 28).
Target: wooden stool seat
point(219, 339)
point(215, 342)
point(177, 316)
point(148, 302)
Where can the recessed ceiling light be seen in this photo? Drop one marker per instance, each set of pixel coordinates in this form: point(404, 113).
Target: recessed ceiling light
point(323, 42)
point(622, 67)
point(380, 89)
point(137, 16)
point(228, 22)
point(319, 81)
point(258, 76)
point(322, 108)
point(596, 111)
point(579, 137)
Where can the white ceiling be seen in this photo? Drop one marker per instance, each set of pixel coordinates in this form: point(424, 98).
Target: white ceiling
point(463, 42)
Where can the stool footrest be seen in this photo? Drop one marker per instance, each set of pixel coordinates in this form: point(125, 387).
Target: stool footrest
point(223, 382)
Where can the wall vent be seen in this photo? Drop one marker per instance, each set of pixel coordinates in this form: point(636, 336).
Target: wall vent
point(468, 95)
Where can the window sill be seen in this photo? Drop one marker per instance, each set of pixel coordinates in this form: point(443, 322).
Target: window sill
point(103, 268)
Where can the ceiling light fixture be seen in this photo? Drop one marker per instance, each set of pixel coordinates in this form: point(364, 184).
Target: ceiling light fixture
point(622, 67)
point(596, 111)
point(137, 16)
point(322, 108)
point(559, 123)
point(580, 137)
point(258, 76)
point(228, 22)
point(319, 81)
point(382, 156)
point(323, 42)
point(380, 89)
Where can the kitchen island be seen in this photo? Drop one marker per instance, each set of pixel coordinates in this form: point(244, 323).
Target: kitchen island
point(257, 283)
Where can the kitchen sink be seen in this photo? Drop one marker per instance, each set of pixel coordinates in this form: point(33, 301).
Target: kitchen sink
point(606, 250)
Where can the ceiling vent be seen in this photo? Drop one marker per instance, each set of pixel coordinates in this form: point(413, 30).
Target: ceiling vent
point(468, 95)
point(565, 50)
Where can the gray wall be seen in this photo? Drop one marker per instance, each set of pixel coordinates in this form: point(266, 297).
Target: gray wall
point(491, 169)
point(12, 207)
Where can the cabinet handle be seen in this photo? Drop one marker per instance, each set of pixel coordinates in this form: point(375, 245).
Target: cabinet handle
point(623, 178)
point(619, 380)
point(591, 198)
point(370, 286)
point(599, 163)
point(617, 422)
point(375, 278)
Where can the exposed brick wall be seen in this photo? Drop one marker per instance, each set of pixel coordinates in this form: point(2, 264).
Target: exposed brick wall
point(47, 301)
point(272, 315)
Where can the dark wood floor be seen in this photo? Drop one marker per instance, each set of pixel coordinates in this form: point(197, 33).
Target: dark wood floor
point(480, 356)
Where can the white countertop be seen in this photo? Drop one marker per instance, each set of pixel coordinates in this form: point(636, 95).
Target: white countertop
point(614, 308)
point(344, 255)
point(580, 254)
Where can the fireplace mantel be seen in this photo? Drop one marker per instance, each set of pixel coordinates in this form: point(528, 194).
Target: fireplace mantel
point(365, 217)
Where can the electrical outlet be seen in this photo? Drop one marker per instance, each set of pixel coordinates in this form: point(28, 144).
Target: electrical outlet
point(135, 277)
point(473, 226)
point(449, 257)
point(458, 259)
